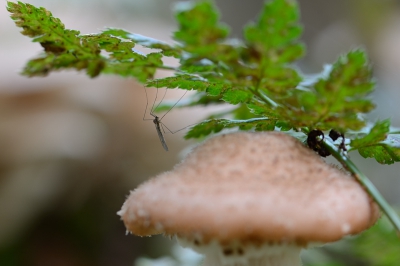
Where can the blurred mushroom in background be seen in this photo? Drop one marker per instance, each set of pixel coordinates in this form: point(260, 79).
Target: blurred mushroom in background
point(70, 147)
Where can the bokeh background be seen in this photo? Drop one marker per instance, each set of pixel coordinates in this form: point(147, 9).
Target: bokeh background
point(72, 147)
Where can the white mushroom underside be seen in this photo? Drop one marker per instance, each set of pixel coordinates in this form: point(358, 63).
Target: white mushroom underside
point(237, 254)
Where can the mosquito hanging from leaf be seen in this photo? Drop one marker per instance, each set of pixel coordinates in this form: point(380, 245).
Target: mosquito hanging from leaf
point(157, 120)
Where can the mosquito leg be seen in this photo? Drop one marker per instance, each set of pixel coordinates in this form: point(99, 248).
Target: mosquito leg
point(173, 132)
point(174, 105)
point(145, 110)
point(165, 93)
point(152, 107)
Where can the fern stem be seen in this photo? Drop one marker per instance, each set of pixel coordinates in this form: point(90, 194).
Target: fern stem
point(169, 68)
point(366, 183)
point(264, 98)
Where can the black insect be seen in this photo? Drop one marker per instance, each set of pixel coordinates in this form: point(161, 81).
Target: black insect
point(315, 141)
point(334, 135)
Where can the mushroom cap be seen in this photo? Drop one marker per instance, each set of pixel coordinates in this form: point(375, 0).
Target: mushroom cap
point(251, 187)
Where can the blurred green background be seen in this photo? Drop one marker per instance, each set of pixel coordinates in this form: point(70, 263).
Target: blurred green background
point(73, 147)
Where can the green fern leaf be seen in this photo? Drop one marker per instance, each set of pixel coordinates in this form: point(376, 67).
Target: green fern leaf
point(376, 134)
point(336, 99)
point(379, 144)
point(216, 125)
point(64, 48)
point(274, 37)
point(199, 30)
point(166, 49)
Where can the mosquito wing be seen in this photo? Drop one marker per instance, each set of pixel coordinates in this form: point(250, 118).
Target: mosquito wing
point(161, 136)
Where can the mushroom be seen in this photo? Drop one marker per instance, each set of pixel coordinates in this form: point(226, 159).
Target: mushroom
point(250, 199)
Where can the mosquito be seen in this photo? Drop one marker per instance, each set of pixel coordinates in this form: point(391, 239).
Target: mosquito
point(157, 120)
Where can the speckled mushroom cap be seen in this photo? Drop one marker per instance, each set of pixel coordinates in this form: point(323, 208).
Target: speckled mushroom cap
point(251, 187)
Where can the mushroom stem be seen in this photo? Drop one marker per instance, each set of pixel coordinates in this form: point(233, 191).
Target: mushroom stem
point(237, 254)
point(267, 260)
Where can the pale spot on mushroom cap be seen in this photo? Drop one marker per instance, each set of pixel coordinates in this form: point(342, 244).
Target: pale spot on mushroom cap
point(346, 228)
point(253, 187)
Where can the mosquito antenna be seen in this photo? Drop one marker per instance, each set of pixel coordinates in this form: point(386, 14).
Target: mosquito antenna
point(173, 106)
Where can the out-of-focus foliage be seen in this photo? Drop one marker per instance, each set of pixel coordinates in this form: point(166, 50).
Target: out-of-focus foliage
point(379, 245)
